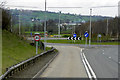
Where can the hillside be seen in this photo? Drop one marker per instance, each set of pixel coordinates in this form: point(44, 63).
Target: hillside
point(26, 15)
point(14, 50)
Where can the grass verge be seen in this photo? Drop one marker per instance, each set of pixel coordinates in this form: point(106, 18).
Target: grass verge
point(15, 50)
point(80, 42)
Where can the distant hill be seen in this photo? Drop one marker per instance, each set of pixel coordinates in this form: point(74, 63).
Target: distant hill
point(26, 15)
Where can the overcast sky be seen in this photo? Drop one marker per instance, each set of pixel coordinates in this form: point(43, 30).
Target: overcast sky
point(110, 11)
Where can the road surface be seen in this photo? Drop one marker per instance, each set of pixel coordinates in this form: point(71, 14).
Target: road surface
point(67, 64)
point(102, 58)
point(104, 61)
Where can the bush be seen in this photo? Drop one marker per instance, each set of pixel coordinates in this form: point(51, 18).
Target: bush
point(66, 35)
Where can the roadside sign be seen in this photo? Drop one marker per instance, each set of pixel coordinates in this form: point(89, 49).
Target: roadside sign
point(74, 35)
point(46, 34)
point(74, 38)
point(86, 34)
point(31, 33)
point(37, 37)
point(99, 35)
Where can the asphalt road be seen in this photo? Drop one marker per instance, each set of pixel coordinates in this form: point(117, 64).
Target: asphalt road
point(104, 61)
point(67, 64)
point(102, 58)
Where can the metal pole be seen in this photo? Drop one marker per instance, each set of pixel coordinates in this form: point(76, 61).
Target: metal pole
point(107, 28)
point(45, 29)
point(74, 29)
point(36, 24)
point(19, 23)
point(86, 42)
point(90, 28)
point(36, 47)
point(59, 24)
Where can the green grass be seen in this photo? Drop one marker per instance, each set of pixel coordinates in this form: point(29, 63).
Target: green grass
point(80, 42)
point(15, 50)
point(34, 32)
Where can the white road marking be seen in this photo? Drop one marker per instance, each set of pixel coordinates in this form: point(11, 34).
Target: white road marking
point(88, 67)
point(87, 70)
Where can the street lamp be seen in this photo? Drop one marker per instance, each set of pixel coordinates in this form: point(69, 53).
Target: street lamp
point(90, 28)
point(59, 24)
point(45, 29)
point(19, 22)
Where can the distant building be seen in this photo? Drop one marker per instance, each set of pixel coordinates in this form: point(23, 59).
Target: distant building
point(119, 8)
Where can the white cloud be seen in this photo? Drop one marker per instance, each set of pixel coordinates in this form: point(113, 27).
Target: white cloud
point(72, 3)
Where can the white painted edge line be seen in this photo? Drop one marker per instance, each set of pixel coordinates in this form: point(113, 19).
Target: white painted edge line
point(47, 64)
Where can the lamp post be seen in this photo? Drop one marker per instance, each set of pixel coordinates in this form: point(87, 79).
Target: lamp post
point(90, 28)
point(107, 28)
point(19, 23)
point(59, 24)
point(45, 29)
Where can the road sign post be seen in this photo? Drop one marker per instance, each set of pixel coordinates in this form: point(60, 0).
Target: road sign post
point(37, 38)
point(99, 38)
point(36, 47)
point(31, 36)
point(86, 41)
point(86, 35)
point(74, 36)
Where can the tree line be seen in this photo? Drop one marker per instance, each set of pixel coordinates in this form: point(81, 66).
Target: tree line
point(109, 28)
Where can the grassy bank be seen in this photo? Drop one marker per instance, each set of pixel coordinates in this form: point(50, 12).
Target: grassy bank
point(15, 50)
point(81, 42)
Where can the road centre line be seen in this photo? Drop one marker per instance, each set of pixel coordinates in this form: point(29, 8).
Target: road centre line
point(89, 70)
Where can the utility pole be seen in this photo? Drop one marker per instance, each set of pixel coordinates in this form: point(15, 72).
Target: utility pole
point(74, 29)
point(107, 28)
point(90, 28)
point(59, 24)
point(45, 29)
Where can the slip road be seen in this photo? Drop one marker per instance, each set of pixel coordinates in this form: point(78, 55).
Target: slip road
point(67, 64)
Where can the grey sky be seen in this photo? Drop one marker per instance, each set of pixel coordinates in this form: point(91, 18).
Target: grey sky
point(111, 11)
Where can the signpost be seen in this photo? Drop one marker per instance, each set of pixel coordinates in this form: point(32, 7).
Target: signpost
point(86, 35)
point(37, 38)
point(99, 37)
point(74, 36)
point(31, 36)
